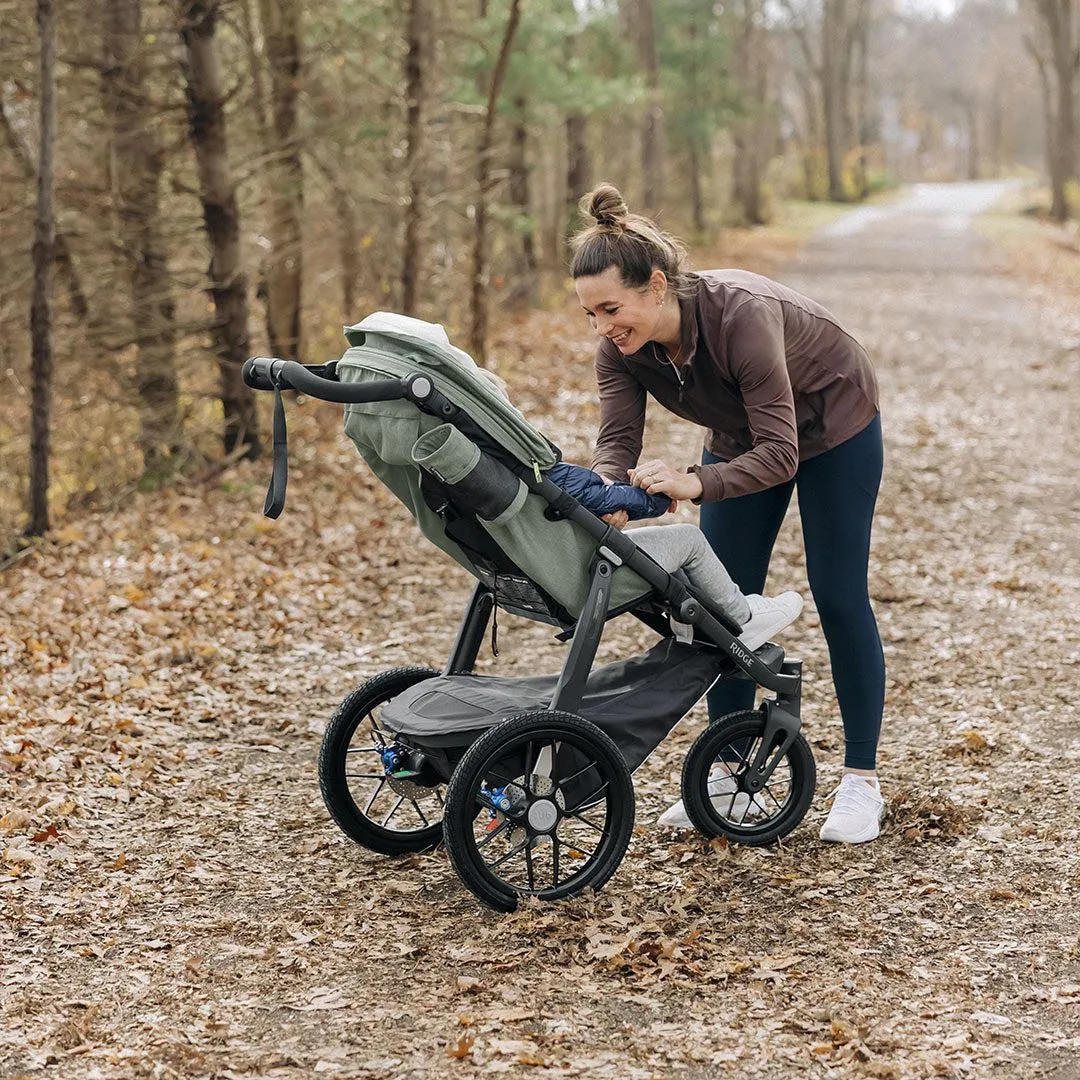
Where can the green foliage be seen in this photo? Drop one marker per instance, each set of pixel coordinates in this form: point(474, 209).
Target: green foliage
point(694, 48)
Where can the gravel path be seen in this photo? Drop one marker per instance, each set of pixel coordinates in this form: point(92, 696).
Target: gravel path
point(176, 902)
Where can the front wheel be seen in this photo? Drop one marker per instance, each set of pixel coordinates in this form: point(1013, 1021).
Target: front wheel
point(540, 805)
point(384, 809)
point(714, 788)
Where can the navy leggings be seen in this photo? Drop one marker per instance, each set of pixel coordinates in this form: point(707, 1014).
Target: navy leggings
point(837, 492)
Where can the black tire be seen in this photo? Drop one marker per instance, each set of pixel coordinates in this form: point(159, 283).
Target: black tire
point(570, 767)
point(371, 811)
point(721, 756)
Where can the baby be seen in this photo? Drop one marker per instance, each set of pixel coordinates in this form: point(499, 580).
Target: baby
point(675, 547)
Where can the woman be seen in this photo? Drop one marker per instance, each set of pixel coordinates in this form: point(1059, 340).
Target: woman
point(789, 398)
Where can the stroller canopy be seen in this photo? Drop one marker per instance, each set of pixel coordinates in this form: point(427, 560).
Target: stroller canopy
point(395, 438)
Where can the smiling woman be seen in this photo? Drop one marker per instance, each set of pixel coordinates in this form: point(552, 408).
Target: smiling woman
point(788, 397)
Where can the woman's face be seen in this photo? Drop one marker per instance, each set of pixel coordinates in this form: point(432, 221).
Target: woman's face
point(626, 316)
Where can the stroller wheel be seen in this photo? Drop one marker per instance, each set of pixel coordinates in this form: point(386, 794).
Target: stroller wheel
point(556, 809)
point(714, 782)
point(390, 814)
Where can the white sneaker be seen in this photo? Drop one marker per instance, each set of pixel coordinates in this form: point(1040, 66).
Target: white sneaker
point(721, 789)
point(856, 813)
point(768, 614)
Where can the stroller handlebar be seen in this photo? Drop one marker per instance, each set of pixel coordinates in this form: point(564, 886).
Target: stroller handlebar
point(270, 373)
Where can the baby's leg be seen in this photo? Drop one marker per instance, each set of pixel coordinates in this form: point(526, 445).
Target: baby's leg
point(684, 547)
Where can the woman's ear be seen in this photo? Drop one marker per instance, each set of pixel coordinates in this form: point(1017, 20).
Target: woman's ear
point(658, 283)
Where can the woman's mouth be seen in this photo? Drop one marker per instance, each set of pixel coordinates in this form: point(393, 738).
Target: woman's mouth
point(621, 339)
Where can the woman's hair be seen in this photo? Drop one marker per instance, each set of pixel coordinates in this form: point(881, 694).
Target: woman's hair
point(631, 242)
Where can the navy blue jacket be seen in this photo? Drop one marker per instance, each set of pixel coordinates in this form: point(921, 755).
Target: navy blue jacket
point(590, 490)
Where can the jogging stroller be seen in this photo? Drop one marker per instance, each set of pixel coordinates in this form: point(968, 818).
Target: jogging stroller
point(527, 779)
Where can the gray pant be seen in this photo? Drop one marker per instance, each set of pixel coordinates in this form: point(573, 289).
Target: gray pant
point(684, 547)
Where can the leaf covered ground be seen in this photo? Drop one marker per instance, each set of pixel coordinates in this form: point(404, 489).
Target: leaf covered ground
point(177, 903)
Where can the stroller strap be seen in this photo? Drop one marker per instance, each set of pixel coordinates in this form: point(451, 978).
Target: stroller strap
point(279, 475)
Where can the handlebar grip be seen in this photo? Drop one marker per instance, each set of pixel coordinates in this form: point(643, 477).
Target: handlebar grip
point(257, 372)
point(270, 373)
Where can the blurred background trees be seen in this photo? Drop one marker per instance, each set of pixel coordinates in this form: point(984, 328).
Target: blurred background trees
point(241, 176)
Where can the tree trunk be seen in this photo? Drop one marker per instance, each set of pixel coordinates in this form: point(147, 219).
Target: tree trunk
point(832, 94)
point(481, 240)
point(41, 353)
point(525, 278)
point(228, 286)
point(284, 269)
point(418, 33)
point(577, 168)
point(138, 178)
point(63, 260)
point(652, 151)
point(751, 74)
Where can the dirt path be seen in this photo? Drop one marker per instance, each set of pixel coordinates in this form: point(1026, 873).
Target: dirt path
point(176, 902)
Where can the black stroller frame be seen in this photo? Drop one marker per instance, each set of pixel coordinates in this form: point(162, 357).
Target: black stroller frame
point(548, 769)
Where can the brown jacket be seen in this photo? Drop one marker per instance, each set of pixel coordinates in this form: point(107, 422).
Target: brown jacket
point(772, 375)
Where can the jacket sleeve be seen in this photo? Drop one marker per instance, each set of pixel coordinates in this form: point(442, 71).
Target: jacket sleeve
point(590, 490)
point(622, 415)
point(759, 364)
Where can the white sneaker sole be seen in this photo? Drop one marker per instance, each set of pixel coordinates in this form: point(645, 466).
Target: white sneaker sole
point(837, 836)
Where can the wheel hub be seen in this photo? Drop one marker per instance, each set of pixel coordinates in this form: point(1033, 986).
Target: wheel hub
point(543, 816)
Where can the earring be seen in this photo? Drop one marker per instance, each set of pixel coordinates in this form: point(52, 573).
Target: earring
point(660, 300)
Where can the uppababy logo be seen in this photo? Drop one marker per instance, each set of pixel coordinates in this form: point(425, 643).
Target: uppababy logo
point(740, 653)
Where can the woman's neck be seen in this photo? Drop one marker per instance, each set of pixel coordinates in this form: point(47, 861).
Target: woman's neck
point(668, 330)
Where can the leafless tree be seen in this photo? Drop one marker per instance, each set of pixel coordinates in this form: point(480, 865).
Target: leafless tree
point(481, 239)
point(221, 216)
point(41, 348)
point(1054, 45)
point(136, 162)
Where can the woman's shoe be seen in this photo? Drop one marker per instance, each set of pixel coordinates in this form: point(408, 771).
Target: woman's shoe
point(721, 790)
point(857, 809)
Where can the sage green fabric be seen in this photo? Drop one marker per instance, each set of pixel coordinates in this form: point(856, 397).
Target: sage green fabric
point(555, 554)
point(377, 347)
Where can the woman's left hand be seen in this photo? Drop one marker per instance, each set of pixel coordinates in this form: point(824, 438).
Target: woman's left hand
point(658, 478)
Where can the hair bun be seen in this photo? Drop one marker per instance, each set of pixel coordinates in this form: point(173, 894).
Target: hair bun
point(606, 206)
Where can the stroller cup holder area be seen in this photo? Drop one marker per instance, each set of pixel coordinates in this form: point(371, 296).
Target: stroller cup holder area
point(527, 780)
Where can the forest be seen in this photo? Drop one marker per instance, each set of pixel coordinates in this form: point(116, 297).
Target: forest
point(187, 184)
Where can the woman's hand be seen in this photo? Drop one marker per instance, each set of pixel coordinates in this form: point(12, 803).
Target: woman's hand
point(658, 478)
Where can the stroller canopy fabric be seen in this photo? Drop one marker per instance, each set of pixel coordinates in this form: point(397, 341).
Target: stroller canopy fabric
point(555, 555)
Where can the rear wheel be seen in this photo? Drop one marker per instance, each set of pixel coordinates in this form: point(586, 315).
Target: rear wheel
point(367, 779)
point(556, 809)
point(714, 781)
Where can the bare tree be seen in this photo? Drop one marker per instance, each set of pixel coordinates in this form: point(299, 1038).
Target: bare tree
point(284, 268)
point(416, 63)
point(652, 150)
point(63, 259)
point(828, 38)
point(221, 215)
point(1055, 47)
point(136, 159)
point(41, 352)
point(484, 186)
point(525, 278)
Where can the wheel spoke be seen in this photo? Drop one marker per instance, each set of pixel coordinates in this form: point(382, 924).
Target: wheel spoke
point(504, 826)
point(393, 810)
point(366, 776)
point(581, 817)
point(590, 798)
point(427, 823)
point(529, 866)
point(374, 796)
point(555, 842)
point(510, 854)
point(570, 779)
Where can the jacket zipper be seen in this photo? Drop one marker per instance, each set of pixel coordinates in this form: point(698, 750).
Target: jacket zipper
point(679, 376)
